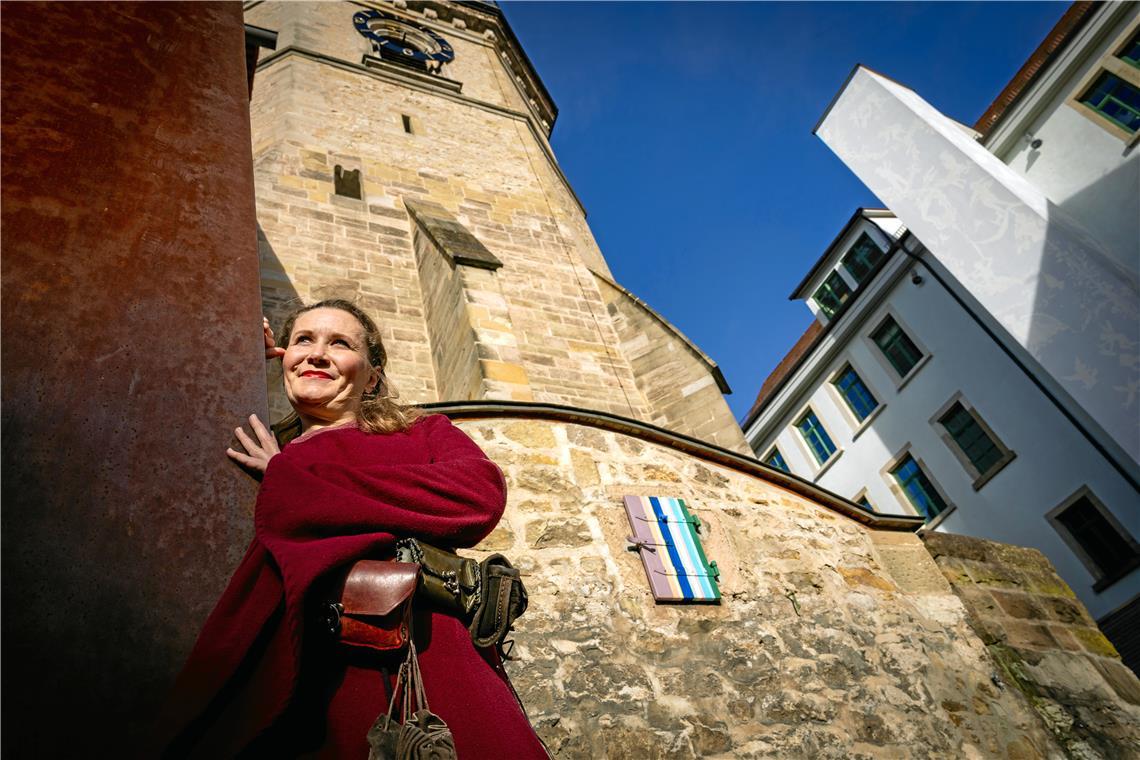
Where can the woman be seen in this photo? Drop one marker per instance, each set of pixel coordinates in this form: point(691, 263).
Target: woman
point(262, 678)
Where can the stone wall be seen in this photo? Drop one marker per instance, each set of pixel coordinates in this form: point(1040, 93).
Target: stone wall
point(682, 385)
point(478, 152)
point(1045, 642)
point(832, 639)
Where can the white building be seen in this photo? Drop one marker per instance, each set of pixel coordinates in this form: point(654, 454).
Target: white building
point(976, 351)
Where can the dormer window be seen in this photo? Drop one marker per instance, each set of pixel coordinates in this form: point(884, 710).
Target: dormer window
point(862, 258)
point(831, 294)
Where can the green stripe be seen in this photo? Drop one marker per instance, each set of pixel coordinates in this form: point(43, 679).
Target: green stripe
point(700, 549)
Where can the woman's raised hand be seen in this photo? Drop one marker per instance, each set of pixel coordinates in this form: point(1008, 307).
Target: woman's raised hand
point(257, 453)
point(271, 349)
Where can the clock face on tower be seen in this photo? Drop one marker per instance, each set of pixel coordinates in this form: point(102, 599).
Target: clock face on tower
point(394, 38)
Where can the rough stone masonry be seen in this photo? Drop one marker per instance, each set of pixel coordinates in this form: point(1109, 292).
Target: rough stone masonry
point(832, 639)
point(838, 634)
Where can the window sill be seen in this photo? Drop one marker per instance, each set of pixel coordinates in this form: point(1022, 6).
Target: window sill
point(1000, 465)
point(913, 371)
point(867, 421)
point(1109, 580)
point(831, 460)
point(941, 518)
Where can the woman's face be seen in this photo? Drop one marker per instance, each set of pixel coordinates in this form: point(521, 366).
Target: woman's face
point(326, 366)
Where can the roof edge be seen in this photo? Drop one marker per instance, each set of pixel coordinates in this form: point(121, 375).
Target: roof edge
point(1057, 39)
point(713, 367)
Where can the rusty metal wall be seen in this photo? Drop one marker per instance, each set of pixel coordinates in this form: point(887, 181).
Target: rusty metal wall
point(131, 332)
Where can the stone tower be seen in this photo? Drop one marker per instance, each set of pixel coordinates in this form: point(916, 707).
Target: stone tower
point(402, 160)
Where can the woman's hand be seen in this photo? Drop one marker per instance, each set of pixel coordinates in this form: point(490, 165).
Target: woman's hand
point(257, 453)
point(271, 349)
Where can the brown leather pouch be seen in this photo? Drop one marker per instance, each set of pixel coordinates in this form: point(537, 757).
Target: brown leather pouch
point(374, 607)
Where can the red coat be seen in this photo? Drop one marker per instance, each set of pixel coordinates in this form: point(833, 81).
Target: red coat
point(327, 499)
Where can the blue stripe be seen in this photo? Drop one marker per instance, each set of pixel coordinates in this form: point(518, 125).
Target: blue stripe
point(685, 530)
point(674, 558)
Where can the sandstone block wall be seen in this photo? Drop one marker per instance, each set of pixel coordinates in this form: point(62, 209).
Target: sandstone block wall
point(480, 154)
point(681, 384)
point(1046, 644)
point(832, 640)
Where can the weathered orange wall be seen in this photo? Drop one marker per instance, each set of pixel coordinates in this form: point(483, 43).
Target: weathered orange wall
point(130, 350)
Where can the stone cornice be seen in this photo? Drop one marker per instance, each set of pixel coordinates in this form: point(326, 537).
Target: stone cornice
point(460, 410)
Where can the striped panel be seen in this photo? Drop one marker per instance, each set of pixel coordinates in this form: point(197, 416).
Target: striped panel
point(666, 534)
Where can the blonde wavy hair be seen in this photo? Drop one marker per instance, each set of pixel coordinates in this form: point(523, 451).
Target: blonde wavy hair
point(379, 411)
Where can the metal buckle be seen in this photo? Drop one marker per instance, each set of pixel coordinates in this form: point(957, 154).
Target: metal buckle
point(331, 617)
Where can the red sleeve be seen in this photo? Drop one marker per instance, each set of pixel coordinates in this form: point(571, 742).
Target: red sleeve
point(455, 499)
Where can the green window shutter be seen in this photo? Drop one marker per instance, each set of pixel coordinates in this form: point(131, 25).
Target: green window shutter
point(1111, 552)
point(897, 346)
point(978, 447)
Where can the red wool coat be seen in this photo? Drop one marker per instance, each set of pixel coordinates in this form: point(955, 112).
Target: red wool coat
point(263, 680)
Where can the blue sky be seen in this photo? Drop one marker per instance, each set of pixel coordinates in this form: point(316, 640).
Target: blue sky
point(685, 129)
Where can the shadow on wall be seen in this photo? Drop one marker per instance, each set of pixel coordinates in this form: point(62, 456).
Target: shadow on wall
point(1110, 209)
point(1085, 320)
point(279, 297)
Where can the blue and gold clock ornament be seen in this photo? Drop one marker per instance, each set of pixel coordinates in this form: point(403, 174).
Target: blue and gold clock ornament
point(397, 39)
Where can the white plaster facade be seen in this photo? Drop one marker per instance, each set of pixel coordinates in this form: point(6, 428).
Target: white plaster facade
point(1051, 459)
point(998, 214)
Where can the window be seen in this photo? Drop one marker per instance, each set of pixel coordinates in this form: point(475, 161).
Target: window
point(816, 437)
point(1131, 51)
point(862, 501)
point(832, 293)
point(1095, 536)
point(407, 122)
point(978, 447)
point(855, 393)
point(776, 459)
point(1109, 95)
point(1116, 100)
point(897, 346)
point(918, 488)
point(971, 440)
point(347, 183)
point(862, 258)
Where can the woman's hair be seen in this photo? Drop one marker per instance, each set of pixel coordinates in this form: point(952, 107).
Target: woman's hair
point(379, 411)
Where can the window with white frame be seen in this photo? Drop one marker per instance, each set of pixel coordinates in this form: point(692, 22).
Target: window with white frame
point(832, 294)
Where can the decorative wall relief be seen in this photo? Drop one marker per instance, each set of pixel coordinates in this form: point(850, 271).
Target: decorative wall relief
point(1049, 284)
point(667, 535)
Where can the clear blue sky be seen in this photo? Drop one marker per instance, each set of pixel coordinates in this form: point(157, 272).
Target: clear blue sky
point(685, 129)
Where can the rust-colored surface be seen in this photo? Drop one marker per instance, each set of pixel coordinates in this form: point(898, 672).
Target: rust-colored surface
point(131, 320)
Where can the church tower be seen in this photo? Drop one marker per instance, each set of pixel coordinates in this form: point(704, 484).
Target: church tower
point(402, 160)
